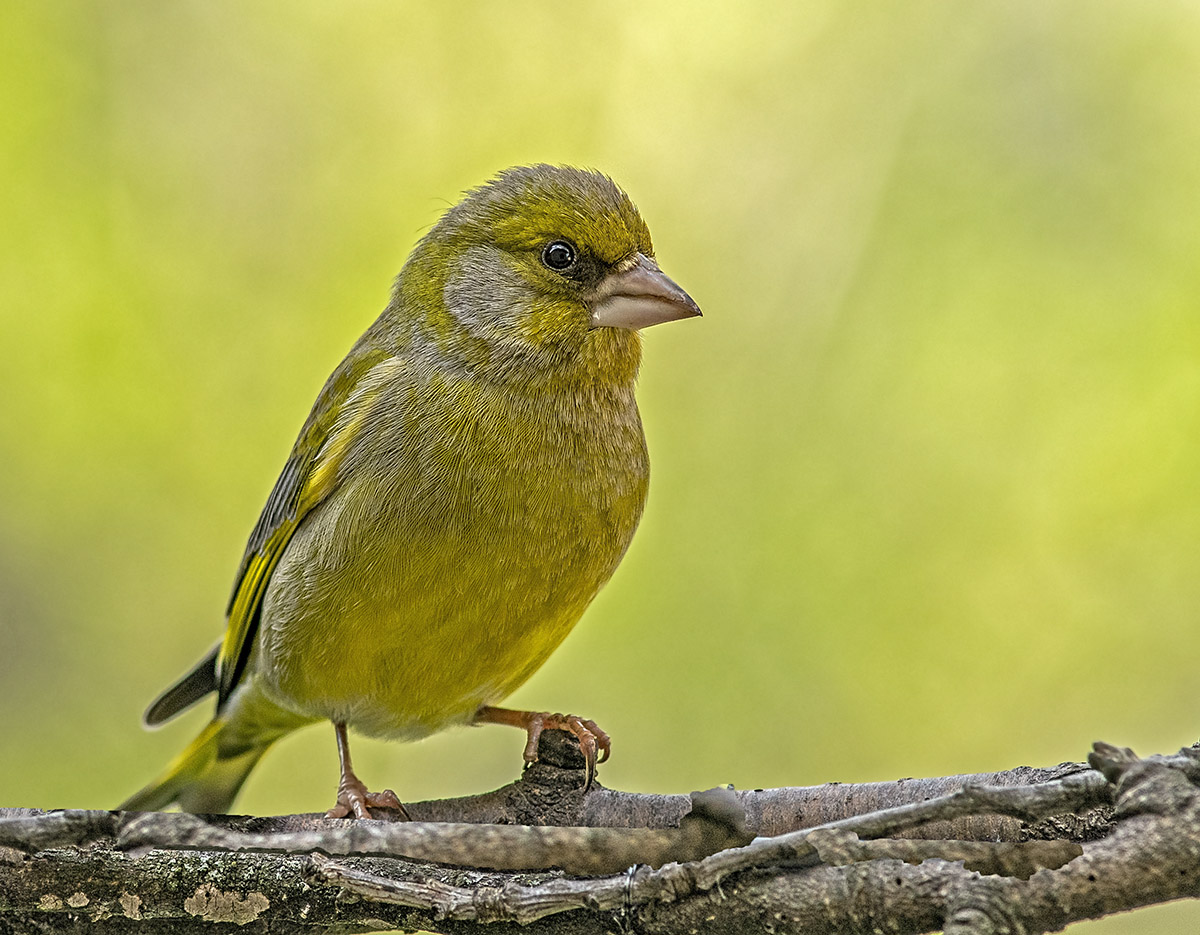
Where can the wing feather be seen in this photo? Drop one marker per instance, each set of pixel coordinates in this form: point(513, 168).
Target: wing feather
point(311, 474)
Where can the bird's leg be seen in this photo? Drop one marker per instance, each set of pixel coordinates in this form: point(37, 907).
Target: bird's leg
point(591, 738)
point(353, 796)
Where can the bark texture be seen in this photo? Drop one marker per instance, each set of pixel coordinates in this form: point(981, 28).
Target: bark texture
point(1024, 851)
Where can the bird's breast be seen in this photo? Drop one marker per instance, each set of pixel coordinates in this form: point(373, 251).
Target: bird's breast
point(463, 544)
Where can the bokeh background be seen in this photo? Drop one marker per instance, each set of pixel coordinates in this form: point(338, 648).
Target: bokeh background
point(925, 493)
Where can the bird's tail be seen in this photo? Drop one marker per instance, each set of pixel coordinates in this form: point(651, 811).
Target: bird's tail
point(205, 777)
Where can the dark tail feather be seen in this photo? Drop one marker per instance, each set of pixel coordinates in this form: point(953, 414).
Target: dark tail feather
point(184, 693)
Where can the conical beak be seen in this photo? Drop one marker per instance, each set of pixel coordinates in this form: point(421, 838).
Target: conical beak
point(640, 295)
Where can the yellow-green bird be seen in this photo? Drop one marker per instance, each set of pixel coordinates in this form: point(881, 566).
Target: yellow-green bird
point(468, 479)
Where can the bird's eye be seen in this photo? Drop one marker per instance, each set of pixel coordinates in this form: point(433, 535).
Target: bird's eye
point(559, 255)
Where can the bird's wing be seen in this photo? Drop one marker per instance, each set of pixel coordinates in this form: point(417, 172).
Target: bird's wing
point(311, 473)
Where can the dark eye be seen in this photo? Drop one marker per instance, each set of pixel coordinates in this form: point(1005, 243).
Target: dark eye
point(559, 255)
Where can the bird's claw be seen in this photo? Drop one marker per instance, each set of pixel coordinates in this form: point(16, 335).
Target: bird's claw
point(591, 739)
point(354, 799)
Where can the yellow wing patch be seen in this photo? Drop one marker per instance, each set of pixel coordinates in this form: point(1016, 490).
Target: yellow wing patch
point(312, 472)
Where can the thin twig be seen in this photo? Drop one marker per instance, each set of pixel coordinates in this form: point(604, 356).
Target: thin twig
point(716, 822)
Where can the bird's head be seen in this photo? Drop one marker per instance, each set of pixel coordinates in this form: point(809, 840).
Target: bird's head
point(542, 268)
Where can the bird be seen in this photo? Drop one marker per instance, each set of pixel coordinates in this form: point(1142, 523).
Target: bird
point(469, 477)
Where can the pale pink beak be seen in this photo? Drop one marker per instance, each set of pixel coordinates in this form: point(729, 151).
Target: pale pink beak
point(639, 295)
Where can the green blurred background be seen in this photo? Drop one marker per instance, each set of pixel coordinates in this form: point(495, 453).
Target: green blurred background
point(925, 492)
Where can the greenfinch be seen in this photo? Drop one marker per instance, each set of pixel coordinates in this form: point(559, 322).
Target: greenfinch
point(468, 479)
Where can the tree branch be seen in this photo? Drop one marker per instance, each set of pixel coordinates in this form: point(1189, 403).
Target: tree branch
point(1022, 851)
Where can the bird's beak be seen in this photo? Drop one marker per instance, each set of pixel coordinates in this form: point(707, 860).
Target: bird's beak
point(638, 295)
